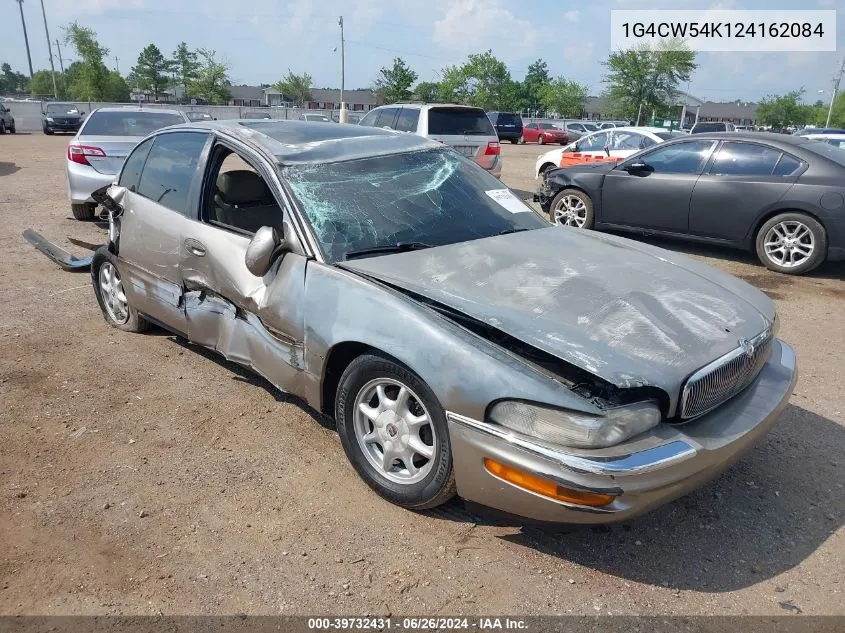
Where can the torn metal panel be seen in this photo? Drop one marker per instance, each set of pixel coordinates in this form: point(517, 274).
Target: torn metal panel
point(601, 305)
point(57, 254)
point(464, 370)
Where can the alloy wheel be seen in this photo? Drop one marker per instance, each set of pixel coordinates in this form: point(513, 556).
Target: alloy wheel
point(394, 431)
point(111, 288)
point(570, 210)
point(789, 243)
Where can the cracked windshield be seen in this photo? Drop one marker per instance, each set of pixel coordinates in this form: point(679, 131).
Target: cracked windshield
point(414, 200)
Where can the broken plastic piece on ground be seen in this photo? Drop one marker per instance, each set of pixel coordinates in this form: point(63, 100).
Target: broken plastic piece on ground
point(56, 253)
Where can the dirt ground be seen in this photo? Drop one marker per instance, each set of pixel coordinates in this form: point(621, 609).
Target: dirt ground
point(139, 475)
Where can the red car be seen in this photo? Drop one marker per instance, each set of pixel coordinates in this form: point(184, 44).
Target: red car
point(543, 133)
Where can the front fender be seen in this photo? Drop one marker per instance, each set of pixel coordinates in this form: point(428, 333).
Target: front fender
point(465, 371)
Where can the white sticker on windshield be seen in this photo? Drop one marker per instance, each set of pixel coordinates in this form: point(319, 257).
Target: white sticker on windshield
point(507, 199)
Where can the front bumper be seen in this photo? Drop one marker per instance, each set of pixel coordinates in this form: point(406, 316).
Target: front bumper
point(83, 180)
point(642, 473)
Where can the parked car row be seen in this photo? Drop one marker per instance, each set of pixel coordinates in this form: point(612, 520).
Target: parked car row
point(781, 196)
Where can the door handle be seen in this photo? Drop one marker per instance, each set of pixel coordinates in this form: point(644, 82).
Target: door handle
point(195, 247)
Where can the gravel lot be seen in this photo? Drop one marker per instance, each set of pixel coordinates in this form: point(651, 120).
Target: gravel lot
point(140, 475)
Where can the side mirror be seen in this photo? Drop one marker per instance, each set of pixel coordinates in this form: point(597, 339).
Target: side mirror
point(101, 197)
point(637, 167)
point(262, 249)
point(81, 114)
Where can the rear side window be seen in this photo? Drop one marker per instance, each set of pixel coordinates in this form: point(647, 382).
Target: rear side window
point(700, 128)
point(131, 174)
point(744, 159)
point(387, 117)
point(508, 118)
point(787, 165)
point(170, 169)
point(370, 119)
point(128, 123)
point(459, 122)
point(407, 121)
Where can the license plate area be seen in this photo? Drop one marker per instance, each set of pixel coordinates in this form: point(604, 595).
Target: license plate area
point(466, 150)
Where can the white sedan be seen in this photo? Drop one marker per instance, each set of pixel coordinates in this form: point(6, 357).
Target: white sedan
point(614, 144)
point(837, 140)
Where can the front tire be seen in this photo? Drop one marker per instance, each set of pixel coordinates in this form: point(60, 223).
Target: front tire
point(2, 127)
point(394, 433)
point(791, 243)
point(48, 131)
point(12, 128)
point(108, 288)
point(572, 207)
point(541, 140)
point(83, 212)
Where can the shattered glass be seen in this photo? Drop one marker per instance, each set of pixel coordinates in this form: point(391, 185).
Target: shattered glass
point(433, 196)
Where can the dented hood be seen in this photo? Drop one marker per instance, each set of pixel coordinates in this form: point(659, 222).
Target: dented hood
point(627, 312)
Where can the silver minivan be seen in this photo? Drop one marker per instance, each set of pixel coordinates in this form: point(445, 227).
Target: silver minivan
point(466, 129)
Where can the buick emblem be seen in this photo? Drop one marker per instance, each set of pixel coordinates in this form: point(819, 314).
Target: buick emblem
point(392, 430)
point(747, 347)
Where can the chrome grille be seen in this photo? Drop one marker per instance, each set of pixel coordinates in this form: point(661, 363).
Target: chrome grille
point(725, 377)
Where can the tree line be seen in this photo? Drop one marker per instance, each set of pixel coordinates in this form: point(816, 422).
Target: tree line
point(637, 82)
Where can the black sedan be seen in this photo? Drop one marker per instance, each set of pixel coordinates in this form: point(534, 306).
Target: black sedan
point(782, 196)
point(61, 117)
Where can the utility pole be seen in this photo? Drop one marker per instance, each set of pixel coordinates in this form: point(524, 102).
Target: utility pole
point(25, 38)
point(342, 117)
point(61, 61)
point(50, 50)
point(836, 81)
point(116, 66)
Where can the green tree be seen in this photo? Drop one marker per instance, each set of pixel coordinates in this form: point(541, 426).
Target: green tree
point(11, 81)
point(212, 82)
point(536, 79)
point(837, 117)
point(428, 91)
point(185, 65)
point(89, 80)
point(394, 84)
point(647, 77)
point(116, 88)
point(780, 111)
point(151, 70)
point(41, 84)
point(563, 97)
point(296, 88)
point(483, 81)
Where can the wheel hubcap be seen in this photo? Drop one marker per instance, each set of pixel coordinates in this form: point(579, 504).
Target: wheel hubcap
point(570, 211)
point(394, 431)
point(789, 243)
point(111, 288)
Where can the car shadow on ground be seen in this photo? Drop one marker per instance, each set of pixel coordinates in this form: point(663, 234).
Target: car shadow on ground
point(764, 516)
point(7, 169)
point(761, 276)
point(242, 374)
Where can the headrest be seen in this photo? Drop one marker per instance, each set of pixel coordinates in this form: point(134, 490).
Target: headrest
point(240, 186)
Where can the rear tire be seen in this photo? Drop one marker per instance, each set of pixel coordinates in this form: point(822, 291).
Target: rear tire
point(791, 243)
point(108, 288)
point(84, 212)
point(373, 419)
point(540, 140)
point(2, 127)
point(520, 140)
point(12, 128)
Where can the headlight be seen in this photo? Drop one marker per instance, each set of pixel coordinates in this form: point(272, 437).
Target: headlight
point(50, 119)
point(575, 429)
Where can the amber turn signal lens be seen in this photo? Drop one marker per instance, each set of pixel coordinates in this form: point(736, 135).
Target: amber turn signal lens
point(544, 487)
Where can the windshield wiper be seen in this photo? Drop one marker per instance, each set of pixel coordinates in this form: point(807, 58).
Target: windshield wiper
point(507, 231)
point(399, 247)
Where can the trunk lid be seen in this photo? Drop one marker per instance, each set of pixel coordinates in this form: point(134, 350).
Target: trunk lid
point(116, 148)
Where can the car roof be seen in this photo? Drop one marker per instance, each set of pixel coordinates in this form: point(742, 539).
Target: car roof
point(297, 142)
point(415, 104)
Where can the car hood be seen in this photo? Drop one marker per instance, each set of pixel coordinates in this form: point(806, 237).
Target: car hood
point(629, 313)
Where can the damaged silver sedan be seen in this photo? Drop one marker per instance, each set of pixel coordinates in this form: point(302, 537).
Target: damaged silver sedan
point(461, 343)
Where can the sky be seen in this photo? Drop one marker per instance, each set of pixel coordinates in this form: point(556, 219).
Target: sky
point(262, 39)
